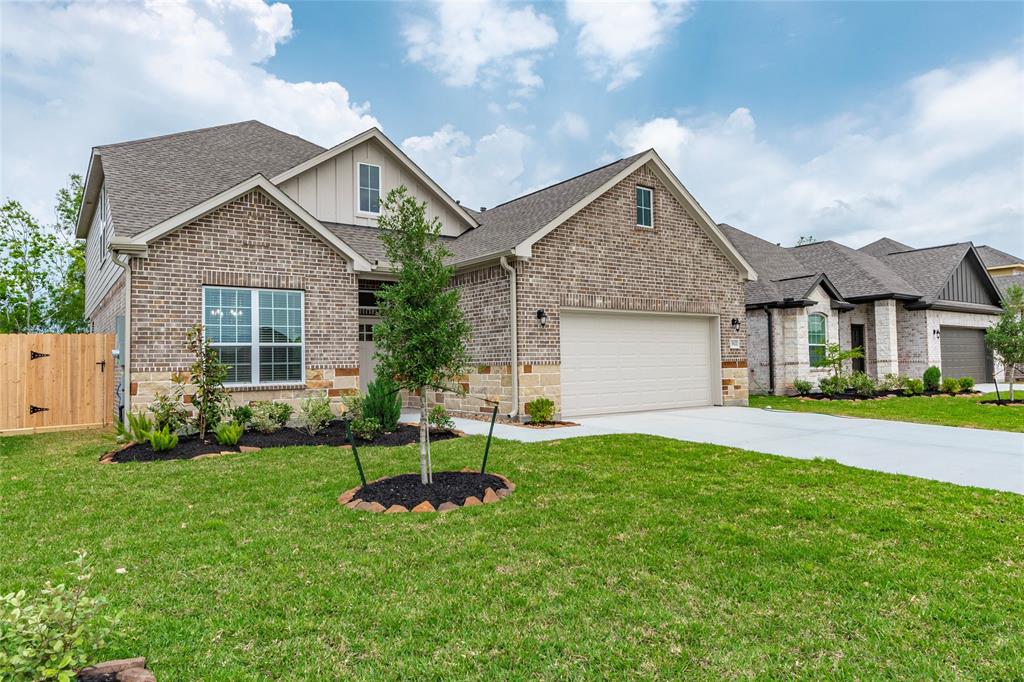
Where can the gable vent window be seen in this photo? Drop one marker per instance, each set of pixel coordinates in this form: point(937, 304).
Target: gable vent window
point(644, 207)
point(817, 337)
point(369, 188)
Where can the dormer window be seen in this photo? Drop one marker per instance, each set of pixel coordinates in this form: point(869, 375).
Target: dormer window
point(369, 188)
point(644, 207)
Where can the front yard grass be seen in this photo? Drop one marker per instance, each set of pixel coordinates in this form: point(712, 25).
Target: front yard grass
point(945, 410)
point(618, 557)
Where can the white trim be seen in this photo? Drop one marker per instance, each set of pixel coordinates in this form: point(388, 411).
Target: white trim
point(164, 228)
point(650, 193)
point(375, 133)
point(359, 189)
point(525, 248)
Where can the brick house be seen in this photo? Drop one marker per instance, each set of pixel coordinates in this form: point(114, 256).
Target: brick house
point(906, 308)
point(612, 291)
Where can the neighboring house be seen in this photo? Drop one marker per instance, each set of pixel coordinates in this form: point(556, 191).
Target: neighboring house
point(609, 292)
point(906, 308)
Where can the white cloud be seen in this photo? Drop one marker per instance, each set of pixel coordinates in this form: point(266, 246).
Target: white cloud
point(615, 37)
point(482, 173)
point(470, 42)
point(572, 126)
point(938, 162)
point(120, 71)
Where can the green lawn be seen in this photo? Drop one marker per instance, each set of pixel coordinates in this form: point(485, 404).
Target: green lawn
point(617, 557)
point(966, 411)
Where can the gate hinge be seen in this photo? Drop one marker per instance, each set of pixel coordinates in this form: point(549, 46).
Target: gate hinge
point(35, 356)
point(32, 409)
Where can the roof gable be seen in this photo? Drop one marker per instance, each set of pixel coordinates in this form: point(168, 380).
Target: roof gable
point(969, 283)
point(857, 275)
point(884, 246)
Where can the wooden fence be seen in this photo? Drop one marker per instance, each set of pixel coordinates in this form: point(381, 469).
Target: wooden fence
point(50, 382)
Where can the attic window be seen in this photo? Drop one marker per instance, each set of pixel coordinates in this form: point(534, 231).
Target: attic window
point(644, 207)
point(369, 188)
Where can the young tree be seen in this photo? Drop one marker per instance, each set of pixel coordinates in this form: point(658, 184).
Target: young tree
point(1006, 336)
point(211, 400)
point(421, 339)
point(835, 357)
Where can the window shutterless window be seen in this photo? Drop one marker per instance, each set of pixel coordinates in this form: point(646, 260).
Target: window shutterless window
point(369, 188)
point(258, 333)
point(817, 337)
point(644, 207)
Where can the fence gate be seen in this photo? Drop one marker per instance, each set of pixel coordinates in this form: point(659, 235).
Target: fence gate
point(50, 382)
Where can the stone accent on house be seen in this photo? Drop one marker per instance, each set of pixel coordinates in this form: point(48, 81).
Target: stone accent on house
point(494, 382)
point(886, 343)
point(734, 382)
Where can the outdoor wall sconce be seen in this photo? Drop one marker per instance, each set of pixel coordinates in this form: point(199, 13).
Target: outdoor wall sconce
point(936, 333)
point(542, 317)
point(736, 323)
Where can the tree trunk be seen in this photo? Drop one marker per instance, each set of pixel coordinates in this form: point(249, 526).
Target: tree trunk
point(424, 476)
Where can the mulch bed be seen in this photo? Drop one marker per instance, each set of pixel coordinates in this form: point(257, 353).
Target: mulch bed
point(885, 395)
point(448, 486)
point(1006, 402)
point(190, 447)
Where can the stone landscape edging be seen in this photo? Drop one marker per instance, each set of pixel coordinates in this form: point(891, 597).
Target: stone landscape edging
point(348, 499)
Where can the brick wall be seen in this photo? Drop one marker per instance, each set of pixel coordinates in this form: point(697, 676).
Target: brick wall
point(483, 297)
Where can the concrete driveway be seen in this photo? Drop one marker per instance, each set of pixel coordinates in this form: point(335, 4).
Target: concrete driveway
point(988, 459)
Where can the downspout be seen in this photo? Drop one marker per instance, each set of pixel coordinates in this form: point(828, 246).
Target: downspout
point(126, 355)
point(515, 335)
point(771, 351)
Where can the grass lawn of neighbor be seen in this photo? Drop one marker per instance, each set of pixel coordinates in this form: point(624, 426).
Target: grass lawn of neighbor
point(969, 411)
point(619, 557)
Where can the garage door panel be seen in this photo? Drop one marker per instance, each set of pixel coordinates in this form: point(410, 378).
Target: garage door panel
point(629, 362)
point(964, 353)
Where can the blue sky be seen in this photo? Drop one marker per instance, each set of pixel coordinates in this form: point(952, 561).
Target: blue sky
point(846, 121)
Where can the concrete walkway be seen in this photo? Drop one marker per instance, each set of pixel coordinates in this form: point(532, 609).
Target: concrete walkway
point(988, 459)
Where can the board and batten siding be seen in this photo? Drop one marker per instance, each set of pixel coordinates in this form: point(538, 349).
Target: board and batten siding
point(329, 190)
point(100, 270)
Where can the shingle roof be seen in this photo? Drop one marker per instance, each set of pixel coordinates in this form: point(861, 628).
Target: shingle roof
point(1004, 283)
point(779, 273)
point(884, 246)
point(151, 180)
point(928, 269)
point(994, 257)
point(855, 273)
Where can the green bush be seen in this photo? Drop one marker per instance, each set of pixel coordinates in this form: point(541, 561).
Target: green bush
point(228, 433)
point(168, 413)
point(541, 410)
point(966, 384)
point(439, 418)
point(163, 440)
point(53, 634)
point(913, 387)
point(950, 385)
point(353, 405)
point(242, 415)
point(383, 402)
point(862, 384)
point(832, 385)
point(802, 387)
point(268, 416)
point(122, 434)
point(316, 413)
point(932, 378)
point(366, 428)
point(139, 426)
point(892, 382)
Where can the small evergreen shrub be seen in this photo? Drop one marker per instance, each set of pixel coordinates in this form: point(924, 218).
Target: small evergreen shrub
point(541, 410)
point(966, 384)
point(163, 440)
point(892, 382)
point(139, 426)
point(168, 412)
point(950, 385)
point(832, 386)
point(316, 413)
point(439, 419)
point(802, 387)
point(242, 415)
point(366, 428)
point(228, 433)
point(913, 387)
point(862, 384)
point(932, 378)
point(383, 402)
point(353, 405)
point(269, 416)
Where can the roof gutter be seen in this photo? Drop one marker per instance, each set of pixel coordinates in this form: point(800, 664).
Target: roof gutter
point(479, 260)
point(515, 334)
point(123, 261)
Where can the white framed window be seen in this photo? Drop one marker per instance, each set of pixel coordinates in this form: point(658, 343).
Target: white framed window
point(369, 188)
point(258, 333)
point(644, 206)
point(817, 337)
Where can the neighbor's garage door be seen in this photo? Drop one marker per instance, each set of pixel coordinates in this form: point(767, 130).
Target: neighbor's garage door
point(626, 362)
point(964, 354)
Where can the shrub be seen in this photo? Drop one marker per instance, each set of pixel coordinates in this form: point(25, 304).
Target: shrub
point(950, 385)
point(163, 440)
point(139, 426)
point(122, 434)
point(316, 413)
point(353, 405)
point(439, 419)
point(383, 403)
point(913, 387)
point(862, 384)
point(966, 384)
point(169, 412)
point(268, 416)
point(229, 433)
point(802, 387)
point(366, 428)
point(932, 377)
point(242, 415)
point(541, 410)
point(51, 635)
point(832, 385)
point(892, 382)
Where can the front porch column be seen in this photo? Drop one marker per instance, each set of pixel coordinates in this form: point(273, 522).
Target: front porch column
point(793, 350)
point(886, 352)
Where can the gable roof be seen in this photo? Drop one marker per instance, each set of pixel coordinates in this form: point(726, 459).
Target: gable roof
point(930, 269)
point(857, 274)
point(151, 180)
point(1004, 283)
point(884, 246)
point(994, 258)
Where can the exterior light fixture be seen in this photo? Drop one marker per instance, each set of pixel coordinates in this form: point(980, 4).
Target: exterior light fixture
point(736, 323)
point(542, 317)
point(936, 333)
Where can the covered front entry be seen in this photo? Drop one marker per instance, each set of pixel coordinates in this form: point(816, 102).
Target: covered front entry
point(964, 353)
point(628, 362)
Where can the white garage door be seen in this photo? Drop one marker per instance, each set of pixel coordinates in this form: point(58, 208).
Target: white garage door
point(626, 362)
